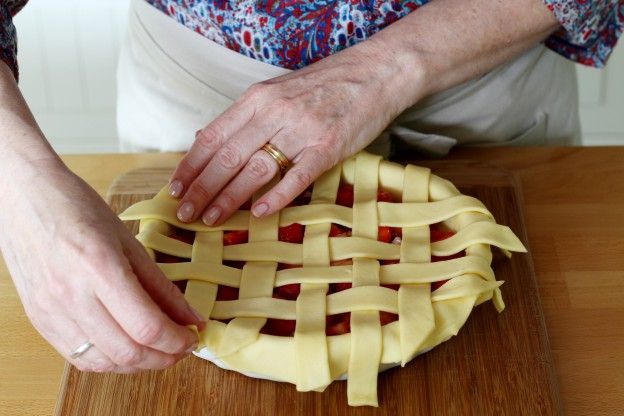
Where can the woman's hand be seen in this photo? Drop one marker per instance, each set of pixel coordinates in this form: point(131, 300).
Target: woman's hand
point(316, 116)
point(83, 277)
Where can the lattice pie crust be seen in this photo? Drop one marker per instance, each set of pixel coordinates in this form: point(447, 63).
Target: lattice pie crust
point(310, 359)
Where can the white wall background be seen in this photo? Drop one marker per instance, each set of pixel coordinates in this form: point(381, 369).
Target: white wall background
point(68, 58)
point(68, 55)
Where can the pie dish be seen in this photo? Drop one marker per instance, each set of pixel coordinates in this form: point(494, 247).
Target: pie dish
point(377, 263)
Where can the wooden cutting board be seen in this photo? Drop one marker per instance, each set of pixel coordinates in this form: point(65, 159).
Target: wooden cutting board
point(499, 364)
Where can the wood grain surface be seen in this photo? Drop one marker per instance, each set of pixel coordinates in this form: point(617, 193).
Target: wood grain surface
point(498, 364)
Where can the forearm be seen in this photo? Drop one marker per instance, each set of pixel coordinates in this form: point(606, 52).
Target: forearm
point(24, 151)
point(447, 42)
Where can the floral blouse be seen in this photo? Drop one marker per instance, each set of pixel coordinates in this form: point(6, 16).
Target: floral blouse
point(295, 33)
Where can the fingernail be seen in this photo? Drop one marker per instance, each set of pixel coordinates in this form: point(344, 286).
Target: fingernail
point(175, 189)
point(185, 213)
point(196, 314)
point(191, 348)
point(260, 209)
point(212, 215)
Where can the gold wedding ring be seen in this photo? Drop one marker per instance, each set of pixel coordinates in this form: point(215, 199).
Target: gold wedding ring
point(282, 161)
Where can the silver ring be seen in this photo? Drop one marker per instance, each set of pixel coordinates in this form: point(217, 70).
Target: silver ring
point(81, 350)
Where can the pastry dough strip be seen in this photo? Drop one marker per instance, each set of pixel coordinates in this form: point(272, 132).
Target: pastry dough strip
point(364, 298)
point(201, 295)
point(400, 273)
point(416, 320)
point(347, 247)
point(407, 214)
point(311, 353)
point(365, 326)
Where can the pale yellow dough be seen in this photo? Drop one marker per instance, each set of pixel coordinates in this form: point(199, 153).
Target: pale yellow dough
point(310, 359)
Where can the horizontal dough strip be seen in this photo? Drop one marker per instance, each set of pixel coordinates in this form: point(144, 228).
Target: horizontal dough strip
point(207, 272)
point(409, 214)
point(414, 214)
point(254, 307)
point(341, 248)
point(400, 273)
point(482, 232)
point(416, 273)
point(164, 209)
point(362, 298)
point(466, 285)
point(164, 244)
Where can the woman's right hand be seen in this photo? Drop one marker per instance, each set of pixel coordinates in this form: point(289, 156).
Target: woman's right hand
point(82, 277)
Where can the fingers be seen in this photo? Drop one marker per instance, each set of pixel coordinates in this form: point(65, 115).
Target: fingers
point(224, 167)
point(260, 169)
point(310, 164)
point(226, 163)
point(162, 291)
point(70, 337)
point(138, 315)
point(66, 336)
point(112, 341)
point(207, 142)
point(69, 314)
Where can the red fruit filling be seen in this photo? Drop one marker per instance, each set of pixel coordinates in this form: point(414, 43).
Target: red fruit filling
point(235, 237)
point(292, 233)
point(335, 324)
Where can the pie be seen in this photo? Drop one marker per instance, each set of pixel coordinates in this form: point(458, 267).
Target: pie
point(375, 264)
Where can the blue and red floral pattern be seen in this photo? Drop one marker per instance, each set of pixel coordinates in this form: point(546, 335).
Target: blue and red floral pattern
point(589, 29)
point(295, 33)
point(287, 33)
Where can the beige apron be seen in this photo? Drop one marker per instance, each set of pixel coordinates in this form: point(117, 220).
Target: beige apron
point(173, 81)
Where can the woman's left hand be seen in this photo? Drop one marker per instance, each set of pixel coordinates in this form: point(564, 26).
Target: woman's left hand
point(316, 116)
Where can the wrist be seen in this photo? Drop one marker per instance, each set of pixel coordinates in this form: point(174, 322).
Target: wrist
point(402, 72)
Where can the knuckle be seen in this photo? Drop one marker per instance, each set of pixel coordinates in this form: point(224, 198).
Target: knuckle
point(256, 90)
point(102, 367)
point(168, 361)
point(171, 290)
point(280, 198)
point(127, 370)
point(82, 366)
point(58, 289)
point(164, 362)
point(326, 155)
point(128, 357)
point(282, 108)
point(209, 137)
point(228, 157)
point(301, 178)
point(259, 168)
point(99, 257)
point(200, 188)
point(227, 200)
point(149, 333)
point(186, 166)
point(43, 302)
